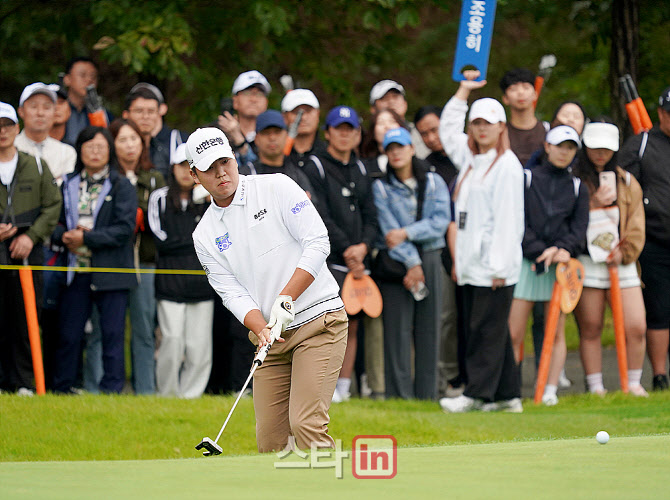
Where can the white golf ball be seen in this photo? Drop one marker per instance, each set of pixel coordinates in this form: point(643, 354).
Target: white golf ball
point(602, 437)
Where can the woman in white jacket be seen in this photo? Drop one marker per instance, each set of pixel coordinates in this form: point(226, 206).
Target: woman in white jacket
point(489, 225)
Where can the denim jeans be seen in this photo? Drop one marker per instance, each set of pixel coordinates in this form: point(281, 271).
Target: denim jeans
point(143, 323)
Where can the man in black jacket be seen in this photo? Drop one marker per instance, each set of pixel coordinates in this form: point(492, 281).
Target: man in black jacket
point(347, 208)
point(270, 139)
point(647, 157)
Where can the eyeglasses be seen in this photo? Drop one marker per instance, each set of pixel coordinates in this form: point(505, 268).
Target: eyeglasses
point(143, 111)
point(94, 147)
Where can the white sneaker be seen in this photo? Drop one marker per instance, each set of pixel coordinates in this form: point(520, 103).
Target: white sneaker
point(508, 405)
point(563, 380)
point(339, 397)
point(24, 391)
point(511, 405)
point(454, 392)
point(461, 404)
point(549, 399)
point(637, 390)
point(487, 407)
point(365, 391)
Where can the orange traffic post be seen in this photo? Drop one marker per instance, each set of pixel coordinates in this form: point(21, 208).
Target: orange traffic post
point(619, 329)
point(26, 277)
point(551, 324)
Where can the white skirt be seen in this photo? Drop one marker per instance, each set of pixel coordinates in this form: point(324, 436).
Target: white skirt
point(596, 275)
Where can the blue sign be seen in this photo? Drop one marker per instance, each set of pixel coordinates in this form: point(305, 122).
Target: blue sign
point(474, 37)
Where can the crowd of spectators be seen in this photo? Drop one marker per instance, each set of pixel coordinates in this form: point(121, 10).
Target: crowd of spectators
point(460, 216)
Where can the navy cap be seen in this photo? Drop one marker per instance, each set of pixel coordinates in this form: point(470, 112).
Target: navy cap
point(397, 136)
point(342, 114)
point(270, 118)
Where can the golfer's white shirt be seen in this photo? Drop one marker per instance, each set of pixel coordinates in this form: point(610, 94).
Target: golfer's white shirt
point(251, 248)
point(491, 205)
point(59, 156)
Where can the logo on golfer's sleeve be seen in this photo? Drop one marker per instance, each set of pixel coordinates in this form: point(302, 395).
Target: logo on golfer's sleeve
point(299, 206)
point(223, 242)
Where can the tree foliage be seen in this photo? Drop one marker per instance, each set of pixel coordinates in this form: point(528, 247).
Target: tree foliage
point(194, 49)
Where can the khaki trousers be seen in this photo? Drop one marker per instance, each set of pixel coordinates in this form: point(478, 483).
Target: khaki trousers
point(293, 388)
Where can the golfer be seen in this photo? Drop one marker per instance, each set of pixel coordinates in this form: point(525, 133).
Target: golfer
point(264, 248)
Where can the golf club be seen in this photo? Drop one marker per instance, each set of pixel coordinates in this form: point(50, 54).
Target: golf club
point(287, 83)
point(211, 447)
point(292, 133)
point(547, 63)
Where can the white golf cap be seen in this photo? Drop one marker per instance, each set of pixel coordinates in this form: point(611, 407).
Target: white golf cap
point(382, 88)
point(249, 79)
point(8, 111)
point(179, 155)
point(205, 146)
point(601, 136)
point(298, 97)
point(562, 133)
point(488, 109)
point(37, 88)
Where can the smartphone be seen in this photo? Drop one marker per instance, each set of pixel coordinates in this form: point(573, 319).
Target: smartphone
point(608, 178)
point(540, 267)
point(227, 105)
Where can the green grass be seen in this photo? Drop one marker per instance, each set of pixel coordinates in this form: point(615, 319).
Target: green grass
point(625, 468)
point(138, 428)
point(57, 447)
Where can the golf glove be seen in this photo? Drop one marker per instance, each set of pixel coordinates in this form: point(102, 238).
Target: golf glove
point(282, 312)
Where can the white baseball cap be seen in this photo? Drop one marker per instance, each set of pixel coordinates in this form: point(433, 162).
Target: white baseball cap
point(562, 133)
point(205, 146)
point(37, 88)
point(488, 109)
point(601, 136)
point(249, 79)
point(8, 111)
point(382, 88)
point(179, 155)
point(298, 97)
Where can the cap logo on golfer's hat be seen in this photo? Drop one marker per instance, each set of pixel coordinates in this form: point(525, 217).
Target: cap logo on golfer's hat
point(208, 143)
point(205, 146)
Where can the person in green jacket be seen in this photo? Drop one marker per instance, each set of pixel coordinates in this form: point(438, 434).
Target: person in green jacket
point(30, 204)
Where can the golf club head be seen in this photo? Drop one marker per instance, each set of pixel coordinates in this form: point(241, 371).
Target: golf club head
point(287, 82)
point(211, 448)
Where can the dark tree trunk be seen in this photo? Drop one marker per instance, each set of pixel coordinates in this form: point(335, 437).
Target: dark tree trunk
point(624, 55)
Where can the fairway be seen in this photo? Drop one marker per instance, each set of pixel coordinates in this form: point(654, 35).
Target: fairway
point(626, 468)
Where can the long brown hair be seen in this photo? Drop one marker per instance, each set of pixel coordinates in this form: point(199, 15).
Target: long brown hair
point(144, 162)
point(502, 146)
point(369, 145)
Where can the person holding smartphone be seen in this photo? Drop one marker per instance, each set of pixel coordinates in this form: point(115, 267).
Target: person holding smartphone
point(556, 214)
point(615, 237)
